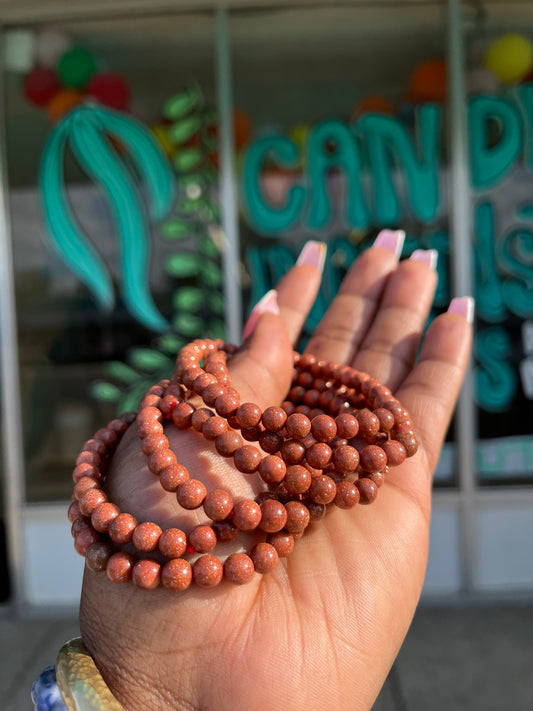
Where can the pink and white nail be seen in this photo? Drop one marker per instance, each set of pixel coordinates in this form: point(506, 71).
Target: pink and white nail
point(392, 240)
point(426, 256)
point(463, 306)
point(268, 303)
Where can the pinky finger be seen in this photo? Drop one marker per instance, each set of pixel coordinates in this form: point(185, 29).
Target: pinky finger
point(430, 391)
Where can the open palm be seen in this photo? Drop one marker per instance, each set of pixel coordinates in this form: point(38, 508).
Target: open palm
point(321, 630)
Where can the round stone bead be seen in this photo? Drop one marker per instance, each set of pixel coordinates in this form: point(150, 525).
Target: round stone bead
point(292, 451)
point(213, 427)
point(199, 418)
point(121, 528)
point(297, 479)
point(86, 469)
point(252, 434)
point(273, 516)
point(347, 426)
point(368, 424)
point(95, 445)
point(238, 568)
point(227, 404)
point(83, 485)
point(191, 494)
point(152, 443)
point(248, 415)
point(218, 505)
point(322, 489)
point(74, 511)
point(282, 541)
point(227, 444)
point(347, 495)
point(118, 425)
point(84, 539)
point(202, 381)
point(89, 458)
point(107, 436)
point(146, 537)
point(202, 539)
point(298, 426)
point(373, 458)
point(386, 419)
point(173, 543)
point(225, 531)
point(395, 452)
point(318, 455)
point(176, 574)
point(377, 477)
point(120, 567)
point(274, 418)
point(272, 469)
point(103, 515)
point(181, 415)
point(345, 459)
point(146, 574)
point(207, 571)
point(316, 511)
point(409, 442)
point(297, 516)
point(367, 490)
point(212, 392)
point(90, 500)
point(247, 458)
point(399, 412)
point(264, 557)
point(161, 459)
point(173, 476)
point(270, 442)
point(98, 556)
point(323, 428)
point(246, 515)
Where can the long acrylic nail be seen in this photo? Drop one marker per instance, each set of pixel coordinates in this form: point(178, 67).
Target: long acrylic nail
point(392, 240)
point(269, 302)
point(463, 306)
point(427, 256)
point(314, 254)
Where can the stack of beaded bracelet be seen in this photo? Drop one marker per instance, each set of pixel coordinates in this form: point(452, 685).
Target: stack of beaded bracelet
point(330, 443)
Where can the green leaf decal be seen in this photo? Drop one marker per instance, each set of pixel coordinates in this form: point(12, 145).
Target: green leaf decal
point(149, 360)
point(176, 229)
point(188, 159)
point(188, 324)
point(211, 275)
point(118, 370)
point(170, 343)
point(183, 265)
point(185, 129)
point(189, 299)
point(105, 392)
point(180, 104)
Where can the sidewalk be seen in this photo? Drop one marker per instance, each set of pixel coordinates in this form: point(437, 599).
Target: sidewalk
point(454, 659)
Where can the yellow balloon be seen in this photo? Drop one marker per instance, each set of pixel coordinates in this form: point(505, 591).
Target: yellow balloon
point(510, 57)
point(160, 131)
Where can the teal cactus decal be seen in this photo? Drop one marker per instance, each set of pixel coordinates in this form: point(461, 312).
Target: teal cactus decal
point(87, 131)
point(193, 229)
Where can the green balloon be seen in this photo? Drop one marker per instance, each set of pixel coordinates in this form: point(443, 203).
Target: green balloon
point(76, 67)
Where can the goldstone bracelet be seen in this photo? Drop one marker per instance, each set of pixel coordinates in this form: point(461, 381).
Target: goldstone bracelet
point(75, 684)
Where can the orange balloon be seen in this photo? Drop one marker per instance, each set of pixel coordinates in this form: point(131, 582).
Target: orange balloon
point(242, 128)
point(62, 102)
point(428, 82)
point(372, 104)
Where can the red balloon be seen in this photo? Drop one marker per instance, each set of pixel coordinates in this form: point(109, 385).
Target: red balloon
point(110, 90)
point(41, 85)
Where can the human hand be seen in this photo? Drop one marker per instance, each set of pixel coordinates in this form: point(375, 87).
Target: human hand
point(323, 628)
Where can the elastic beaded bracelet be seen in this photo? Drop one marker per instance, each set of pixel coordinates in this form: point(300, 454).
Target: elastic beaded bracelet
point(331, 442)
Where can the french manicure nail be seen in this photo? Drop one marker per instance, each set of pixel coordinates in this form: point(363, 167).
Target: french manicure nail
point(463, 306)
point(269, 302)
point(313, 253)
point(392, 240)
point(427, 256)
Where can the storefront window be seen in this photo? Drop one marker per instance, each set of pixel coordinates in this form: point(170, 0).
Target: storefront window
point(343, 133)
point(112, 186)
